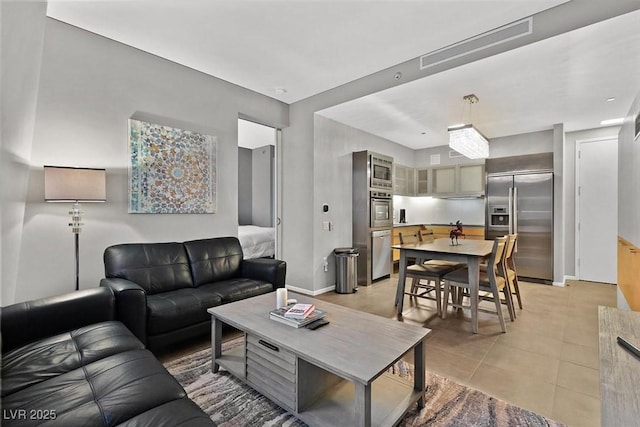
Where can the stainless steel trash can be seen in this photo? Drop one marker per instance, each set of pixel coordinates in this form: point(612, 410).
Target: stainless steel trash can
point(346, 270)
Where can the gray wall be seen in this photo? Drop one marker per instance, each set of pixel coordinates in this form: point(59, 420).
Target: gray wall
point(89, 87)
point(628, 179)
point(334, 143)
point(559, 237)
point(520, 145)
point(256, 168)
point(23, 28)
point(245, 183)
point(262, 177)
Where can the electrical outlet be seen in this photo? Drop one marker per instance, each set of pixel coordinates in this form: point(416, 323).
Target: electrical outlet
point(325, 264)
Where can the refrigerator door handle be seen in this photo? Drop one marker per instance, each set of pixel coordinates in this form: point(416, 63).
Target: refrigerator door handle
point(515, 215)
point(510, 210)
point(515, 210)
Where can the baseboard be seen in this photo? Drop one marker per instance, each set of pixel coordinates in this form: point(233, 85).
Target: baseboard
point(564, 281)
point(308, 292)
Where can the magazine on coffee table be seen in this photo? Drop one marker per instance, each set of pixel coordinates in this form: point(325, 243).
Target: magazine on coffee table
point(278, 316)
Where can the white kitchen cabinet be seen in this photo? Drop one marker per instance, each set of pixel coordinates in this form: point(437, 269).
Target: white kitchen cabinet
point(444, 181)
point(471, 179)
point(404, 180)
point(423, 181)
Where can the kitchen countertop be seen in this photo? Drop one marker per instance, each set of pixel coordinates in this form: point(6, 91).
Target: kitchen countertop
point(414, 224)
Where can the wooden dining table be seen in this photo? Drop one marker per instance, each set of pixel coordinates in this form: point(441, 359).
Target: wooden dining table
point(470, 252)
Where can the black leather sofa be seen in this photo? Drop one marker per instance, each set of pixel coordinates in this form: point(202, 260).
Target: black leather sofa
point(67, 362)
point(164, 289)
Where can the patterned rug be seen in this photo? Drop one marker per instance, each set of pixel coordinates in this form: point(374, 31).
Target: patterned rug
point(231, 403)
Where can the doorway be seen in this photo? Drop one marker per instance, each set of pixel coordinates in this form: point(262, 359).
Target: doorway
point(258, 172)
point(597, 209)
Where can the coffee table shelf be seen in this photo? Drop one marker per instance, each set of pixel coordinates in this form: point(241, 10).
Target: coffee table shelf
point(390, 398)
point(234, 361)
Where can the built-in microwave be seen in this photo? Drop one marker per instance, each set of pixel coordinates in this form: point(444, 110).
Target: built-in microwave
point(381, 209)
point(381, 171)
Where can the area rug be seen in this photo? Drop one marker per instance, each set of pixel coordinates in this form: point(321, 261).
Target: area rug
point(231, 403)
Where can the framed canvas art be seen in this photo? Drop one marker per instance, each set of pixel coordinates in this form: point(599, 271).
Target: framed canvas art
point(171, 171)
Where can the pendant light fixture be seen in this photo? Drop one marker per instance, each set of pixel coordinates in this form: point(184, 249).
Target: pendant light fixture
point(466, 139)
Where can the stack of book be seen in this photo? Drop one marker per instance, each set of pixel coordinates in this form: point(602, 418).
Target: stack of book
point(297, 315)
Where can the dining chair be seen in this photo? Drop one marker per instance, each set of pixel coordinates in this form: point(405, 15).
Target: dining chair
point(510, 267)
point(489, 281)
point(431, 273)
point(503, 272)
point(427, 236)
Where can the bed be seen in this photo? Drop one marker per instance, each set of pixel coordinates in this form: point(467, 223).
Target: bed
point(257, 242)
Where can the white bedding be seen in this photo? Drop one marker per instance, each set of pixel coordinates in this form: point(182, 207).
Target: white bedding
point(257, 241)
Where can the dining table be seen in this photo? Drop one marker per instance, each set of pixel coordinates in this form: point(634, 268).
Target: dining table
point(471, 252)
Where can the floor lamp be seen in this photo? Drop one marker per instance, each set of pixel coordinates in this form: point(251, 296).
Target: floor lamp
point(74, 185)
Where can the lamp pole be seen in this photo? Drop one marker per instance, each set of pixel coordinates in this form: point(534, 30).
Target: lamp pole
point(75, 224)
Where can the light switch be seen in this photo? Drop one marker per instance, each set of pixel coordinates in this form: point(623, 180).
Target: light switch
point(327, 225)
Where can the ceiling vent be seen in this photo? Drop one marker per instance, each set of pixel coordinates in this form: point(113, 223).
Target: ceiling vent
point(494, 37)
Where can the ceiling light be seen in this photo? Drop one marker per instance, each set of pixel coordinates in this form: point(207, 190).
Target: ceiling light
point(609, 122)
point(280, 90)
point(611, 99)
point(466, 139)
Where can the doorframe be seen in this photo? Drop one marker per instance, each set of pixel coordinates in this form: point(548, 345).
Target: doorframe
point(576, 222)
point(277, 179)
point(277, 205)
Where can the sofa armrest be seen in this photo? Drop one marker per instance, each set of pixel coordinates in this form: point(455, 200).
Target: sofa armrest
point(29, 321)
point(130, 306)
point(270, 270)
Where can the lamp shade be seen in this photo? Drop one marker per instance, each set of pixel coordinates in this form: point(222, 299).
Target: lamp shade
point(467, 141)
point(67, 184)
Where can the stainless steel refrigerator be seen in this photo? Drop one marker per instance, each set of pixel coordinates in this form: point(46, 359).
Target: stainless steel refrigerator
point(522, 202)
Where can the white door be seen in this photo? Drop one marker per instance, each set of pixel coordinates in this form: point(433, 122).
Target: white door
point(597, 210)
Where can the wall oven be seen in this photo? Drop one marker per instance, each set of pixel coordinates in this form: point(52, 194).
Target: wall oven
point(381, 209)
point(381, 171)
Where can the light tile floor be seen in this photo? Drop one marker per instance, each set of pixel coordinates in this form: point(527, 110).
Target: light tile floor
point(546, 362)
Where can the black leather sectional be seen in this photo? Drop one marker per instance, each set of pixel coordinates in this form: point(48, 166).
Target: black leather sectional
point(163, 290)
point(66, 361)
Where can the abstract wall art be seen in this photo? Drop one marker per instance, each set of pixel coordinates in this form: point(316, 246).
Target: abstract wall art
point(171, 171)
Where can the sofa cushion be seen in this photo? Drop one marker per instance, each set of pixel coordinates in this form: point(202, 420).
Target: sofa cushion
point(176, 309)
point(239, 288)
point(182, 412)
point(50, 357)
point(106, 392)
point(156, 267)
point(214, 259)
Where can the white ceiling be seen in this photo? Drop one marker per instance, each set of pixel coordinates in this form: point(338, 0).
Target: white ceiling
point(302, 46)
point(309, 46)
point(565, 79)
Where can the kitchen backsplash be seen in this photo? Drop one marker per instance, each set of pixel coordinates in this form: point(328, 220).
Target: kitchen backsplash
point(428, 210)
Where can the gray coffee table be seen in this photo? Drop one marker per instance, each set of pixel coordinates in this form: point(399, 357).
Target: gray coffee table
point(335, 375)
